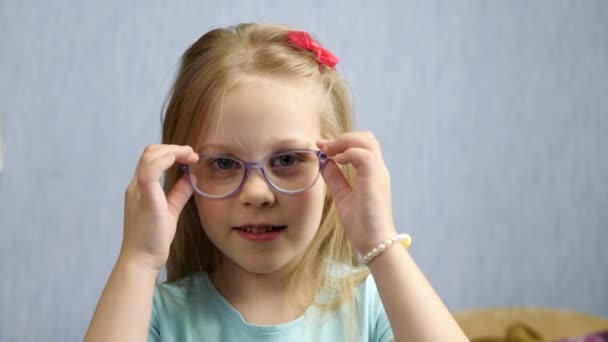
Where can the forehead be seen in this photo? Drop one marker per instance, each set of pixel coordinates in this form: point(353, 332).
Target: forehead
point(260, 113)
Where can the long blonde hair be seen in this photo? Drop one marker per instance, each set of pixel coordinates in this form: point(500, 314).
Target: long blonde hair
point(208, 69)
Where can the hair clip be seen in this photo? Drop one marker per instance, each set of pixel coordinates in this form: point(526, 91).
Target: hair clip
point(303, 40)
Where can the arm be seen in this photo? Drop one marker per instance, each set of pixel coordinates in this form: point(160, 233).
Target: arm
point(414, 310)
point(124, 309)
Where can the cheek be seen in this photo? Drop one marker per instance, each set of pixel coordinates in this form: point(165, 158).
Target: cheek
point(210, 211)
point(309, 207)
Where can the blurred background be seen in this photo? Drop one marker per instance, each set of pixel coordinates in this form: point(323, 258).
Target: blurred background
point(492, 115)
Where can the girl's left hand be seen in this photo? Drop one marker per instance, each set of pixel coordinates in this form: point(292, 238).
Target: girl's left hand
point(364, 209)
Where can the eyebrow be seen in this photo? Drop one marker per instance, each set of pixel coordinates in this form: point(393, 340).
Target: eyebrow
point(281, 144)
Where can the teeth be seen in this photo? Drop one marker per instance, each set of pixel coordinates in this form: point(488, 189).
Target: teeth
point(256, 230)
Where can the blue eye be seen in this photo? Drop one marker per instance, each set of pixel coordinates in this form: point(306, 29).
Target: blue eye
point(284, 160)
point(224, 163)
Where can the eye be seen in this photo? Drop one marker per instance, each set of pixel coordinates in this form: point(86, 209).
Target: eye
point(223, 163)
point(286, 160)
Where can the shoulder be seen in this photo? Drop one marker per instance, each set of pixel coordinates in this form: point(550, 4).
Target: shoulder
point(174, 301)
point(363, 313)
point(190, 288)
point(372, 310)
point(364, 286)
point(186, 310)
point(367, 296)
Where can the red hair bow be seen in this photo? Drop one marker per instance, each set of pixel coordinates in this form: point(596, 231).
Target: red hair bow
point(303, 40)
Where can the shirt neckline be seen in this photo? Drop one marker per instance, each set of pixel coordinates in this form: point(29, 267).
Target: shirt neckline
point(278, 329)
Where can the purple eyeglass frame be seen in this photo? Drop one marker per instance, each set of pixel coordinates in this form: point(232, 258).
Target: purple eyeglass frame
point(323, 159)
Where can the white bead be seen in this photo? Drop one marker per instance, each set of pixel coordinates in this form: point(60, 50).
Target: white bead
point(385, 245)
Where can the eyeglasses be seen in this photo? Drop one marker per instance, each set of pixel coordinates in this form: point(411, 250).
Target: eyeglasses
point(291, 172)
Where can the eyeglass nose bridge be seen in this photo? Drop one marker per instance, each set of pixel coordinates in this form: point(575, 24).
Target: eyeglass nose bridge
point(249, 166)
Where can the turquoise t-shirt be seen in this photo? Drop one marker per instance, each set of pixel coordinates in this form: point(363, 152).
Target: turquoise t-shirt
point(195, 311)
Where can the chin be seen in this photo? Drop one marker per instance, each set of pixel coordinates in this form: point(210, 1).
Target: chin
point(264, 265)
point(263, 268)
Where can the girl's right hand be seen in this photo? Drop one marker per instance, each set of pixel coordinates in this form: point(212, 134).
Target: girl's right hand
point(150, 216)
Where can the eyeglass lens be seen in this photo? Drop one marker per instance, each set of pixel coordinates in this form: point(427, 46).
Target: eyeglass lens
point(219, 175)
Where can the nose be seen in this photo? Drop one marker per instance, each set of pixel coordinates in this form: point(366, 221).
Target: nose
point(256, 191)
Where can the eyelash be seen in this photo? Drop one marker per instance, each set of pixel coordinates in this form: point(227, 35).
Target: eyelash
point(275, 157)
point(214, 161)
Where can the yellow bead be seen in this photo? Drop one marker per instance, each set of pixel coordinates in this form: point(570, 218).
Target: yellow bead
point(406, 243)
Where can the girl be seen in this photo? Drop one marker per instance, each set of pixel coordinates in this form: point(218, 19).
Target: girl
point(270, 200)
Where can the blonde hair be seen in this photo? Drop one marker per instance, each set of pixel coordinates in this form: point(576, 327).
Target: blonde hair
point(209, 68)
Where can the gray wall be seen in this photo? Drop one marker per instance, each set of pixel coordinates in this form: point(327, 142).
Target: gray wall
point(492, 116)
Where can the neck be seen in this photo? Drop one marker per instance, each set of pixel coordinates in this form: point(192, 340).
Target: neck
point(260, 298)
point(234, 282)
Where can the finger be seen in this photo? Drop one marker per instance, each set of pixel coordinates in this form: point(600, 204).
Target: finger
point(362, 159)
point(148, 174)
point(360, 139)
point(153, 152)
point(335, 180)
point(152, 157)
point(179, 195)
point(321, 143)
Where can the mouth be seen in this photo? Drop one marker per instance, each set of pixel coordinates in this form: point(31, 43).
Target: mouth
point(259, 229)
point(259, 233)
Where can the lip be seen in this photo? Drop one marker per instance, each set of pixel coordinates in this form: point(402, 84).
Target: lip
point(257, 225)
point(259, 237)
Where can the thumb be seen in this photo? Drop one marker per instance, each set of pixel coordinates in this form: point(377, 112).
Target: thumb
point(337, 184)
point(179, 195)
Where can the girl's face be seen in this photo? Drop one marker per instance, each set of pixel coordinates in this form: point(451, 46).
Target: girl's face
point(260, 117)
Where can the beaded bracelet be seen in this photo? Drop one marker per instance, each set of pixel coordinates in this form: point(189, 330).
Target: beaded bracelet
point(405, 240)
